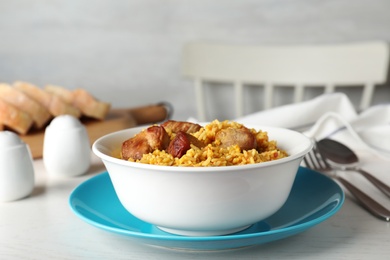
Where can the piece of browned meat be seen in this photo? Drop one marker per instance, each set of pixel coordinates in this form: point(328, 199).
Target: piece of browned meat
point(182, 143)
point(135, 147)
point(152, 138)
point(242, 137)
point(177, 126)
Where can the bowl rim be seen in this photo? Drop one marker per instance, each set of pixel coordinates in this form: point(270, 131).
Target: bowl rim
point(118, 161)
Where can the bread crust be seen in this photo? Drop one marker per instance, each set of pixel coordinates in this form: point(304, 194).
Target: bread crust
point(14, 118)
point(26, 104)
point(64, 93)
point(89, 106)
point(56, 105)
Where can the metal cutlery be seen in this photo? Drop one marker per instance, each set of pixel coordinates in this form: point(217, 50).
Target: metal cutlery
point(316, 161)
point(343, 158)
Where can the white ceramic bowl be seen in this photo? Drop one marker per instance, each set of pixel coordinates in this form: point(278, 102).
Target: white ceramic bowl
point(203, 201)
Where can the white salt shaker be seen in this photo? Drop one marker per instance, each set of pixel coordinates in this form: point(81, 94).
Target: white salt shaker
point(66, 147)
point(16, 168)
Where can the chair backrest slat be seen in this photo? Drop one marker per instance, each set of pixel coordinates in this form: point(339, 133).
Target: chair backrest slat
point(364, 64)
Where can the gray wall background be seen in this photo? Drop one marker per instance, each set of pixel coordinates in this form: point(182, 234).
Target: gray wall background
point(128, 52)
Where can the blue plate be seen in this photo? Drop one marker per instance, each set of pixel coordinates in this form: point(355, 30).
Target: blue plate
point(313, 199)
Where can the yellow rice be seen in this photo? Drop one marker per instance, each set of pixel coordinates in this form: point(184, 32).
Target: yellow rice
point(213, 154)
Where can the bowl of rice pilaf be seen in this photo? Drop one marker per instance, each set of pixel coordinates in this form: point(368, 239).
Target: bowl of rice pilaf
point(204, 179)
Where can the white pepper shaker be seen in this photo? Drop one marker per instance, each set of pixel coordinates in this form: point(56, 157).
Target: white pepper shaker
point(16, 168)
point(66, 147)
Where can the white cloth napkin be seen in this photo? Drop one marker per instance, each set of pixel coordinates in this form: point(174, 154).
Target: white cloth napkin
point(304, 114)
point(334, 116)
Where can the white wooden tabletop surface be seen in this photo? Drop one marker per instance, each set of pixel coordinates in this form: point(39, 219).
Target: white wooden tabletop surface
point(42, 226)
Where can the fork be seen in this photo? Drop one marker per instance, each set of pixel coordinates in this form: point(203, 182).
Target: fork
point(315, 161)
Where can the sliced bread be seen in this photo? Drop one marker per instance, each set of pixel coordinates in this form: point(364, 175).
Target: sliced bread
point(64, 93)
point(55, 104)
point(89, 106)
point(81, 99)
point(14, 118)
point(23, 102)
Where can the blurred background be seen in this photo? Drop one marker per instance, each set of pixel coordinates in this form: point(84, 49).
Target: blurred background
point(128, 52)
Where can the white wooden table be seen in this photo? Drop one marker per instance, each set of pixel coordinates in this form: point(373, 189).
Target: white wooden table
point(42, 226)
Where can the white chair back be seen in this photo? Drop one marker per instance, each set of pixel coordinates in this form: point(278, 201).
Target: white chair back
point(327, 66)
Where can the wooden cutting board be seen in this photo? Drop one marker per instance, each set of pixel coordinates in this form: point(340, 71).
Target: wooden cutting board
point(116, 120)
